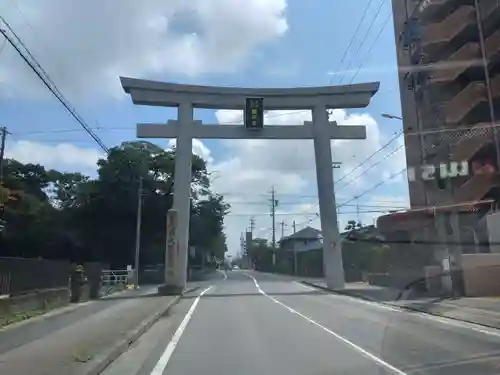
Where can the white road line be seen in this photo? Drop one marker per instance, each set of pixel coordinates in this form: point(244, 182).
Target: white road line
point(369, 303)
point(443, 320)
point(357, 348)
point(165, 357)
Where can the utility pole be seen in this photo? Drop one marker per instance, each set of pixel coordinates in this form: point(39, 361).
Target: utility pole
point(4, 132)
point(138, 234)
point(295, 257)
point(252, 224)
point(274, 203)
point(357, 210)
point(282, 228)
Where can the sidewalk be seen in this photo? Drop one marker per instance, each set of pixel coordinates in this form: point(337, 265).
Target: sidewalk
point(481, 310)
point(83, 340)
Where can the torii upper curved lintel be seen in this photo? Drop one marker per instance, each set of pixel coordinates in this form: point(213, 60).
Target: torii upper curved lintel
point(167, 94)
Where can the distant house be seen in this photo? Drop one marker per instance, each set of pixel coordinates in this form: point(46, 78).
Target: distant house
point(306, 239)
point(309, 239)
point(301, 252)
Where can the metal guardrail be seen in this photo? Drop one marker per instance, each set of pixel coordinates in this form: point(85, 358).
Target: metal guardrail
point(113, 279)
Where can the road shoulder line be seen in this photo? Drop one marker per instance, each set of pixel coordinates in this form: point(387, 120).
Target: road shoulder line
point(349, 343)
point(169, 350)
point(456, 322)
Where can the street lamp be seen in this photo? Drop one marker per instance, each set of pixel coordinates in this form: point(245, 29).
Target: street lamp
point(392, 117)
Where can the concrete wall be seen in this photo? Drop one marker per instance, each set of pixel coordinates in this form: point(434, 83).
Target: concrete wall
point(481, 274)
point(493, 224)
point(434, 279)
point(33, 302)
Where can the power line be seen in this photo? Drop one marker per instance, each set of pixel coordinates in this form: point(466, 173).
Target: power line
point(373, 187)
point(3, 45)
point(366, 192)
point(371, 156)
point(363, 40)
point(371, 47)
point(353, 37)
point(365, 171)
point(263, 214)
point(298, 203)
point(31, 61)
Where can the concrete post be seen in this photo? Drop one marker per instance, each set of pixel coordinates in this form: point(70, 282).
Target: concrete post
point(171, 250)
point(332, 249)
point(182, 187)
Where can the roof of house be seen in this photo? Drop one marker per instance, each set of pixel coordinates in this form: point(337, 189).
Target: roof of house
point(308, 233)
point(410, 219)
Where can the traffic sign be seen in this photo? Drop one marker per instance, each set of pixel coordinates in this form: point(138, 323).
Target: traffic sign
point(254, 113)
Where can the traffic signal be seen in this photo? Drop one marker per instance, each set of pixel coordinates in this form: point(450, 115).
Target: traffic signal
point(254, 113)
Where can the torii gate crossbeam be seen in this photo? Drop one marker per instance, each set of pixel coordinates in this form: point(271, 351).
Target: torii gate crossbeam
point(320, 130)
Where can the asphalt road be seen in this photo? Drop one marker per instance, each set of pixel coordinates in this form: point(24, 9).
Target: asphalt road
point(254, 323)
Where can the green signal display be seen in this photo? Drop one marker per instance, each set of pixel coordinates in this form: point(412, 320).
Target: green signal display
point(254, 113)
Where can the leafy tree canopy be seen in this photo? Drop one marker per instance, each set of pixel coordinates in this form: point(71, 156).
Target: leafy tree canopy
point(62, 215)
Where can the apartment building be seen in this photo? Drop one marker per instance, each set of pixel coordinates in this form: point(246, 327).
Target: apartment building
point(449, 71)
point(448, 54)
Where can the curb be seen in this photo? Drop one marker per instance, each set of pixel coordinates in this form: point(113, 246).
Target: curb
point(403, 308)
point(49, 314)
point(66, 309)
point(123, 344)
point(339, 292)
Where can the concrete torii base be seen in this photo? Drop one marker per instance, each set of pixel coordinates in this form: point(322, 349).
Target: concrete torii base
point(170, 290)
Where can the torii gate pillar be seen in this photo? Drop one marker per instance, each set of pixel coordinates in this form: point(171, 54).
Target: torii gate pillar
point(320, 130)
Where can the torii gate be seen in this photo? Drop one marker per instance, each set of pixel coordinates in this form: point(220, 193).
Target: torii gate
point(320, 130)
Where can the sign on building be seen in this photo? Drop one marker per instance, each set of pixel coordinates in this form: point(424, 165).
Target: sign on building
point(449, 170)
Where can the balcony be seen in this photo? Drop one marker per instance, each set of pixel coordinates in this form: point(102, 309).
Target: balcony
point(477, 187)
point(490, 12)
point(495, 87)
point(492, 44)
point(458, 107)
point(469, 143)
point(436, 8)
point(446, 30)
point(467, 56)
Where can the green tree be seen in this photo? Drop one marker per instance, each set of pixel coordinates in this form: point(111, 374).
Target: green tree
point(261, 254)
point(69, 215)
point(363, 251)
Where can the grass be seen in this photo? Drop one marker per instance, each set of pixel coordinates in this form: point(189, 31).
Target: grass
point(17, 317)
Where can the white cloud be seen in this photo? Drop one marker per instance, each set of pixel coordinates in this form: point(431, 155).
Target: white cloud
point(63, 156)
point(198, 149)
point(86, 45)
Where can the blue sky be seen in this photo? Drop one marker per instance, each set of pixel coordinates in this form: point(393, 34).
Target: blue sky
point(276, 43)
